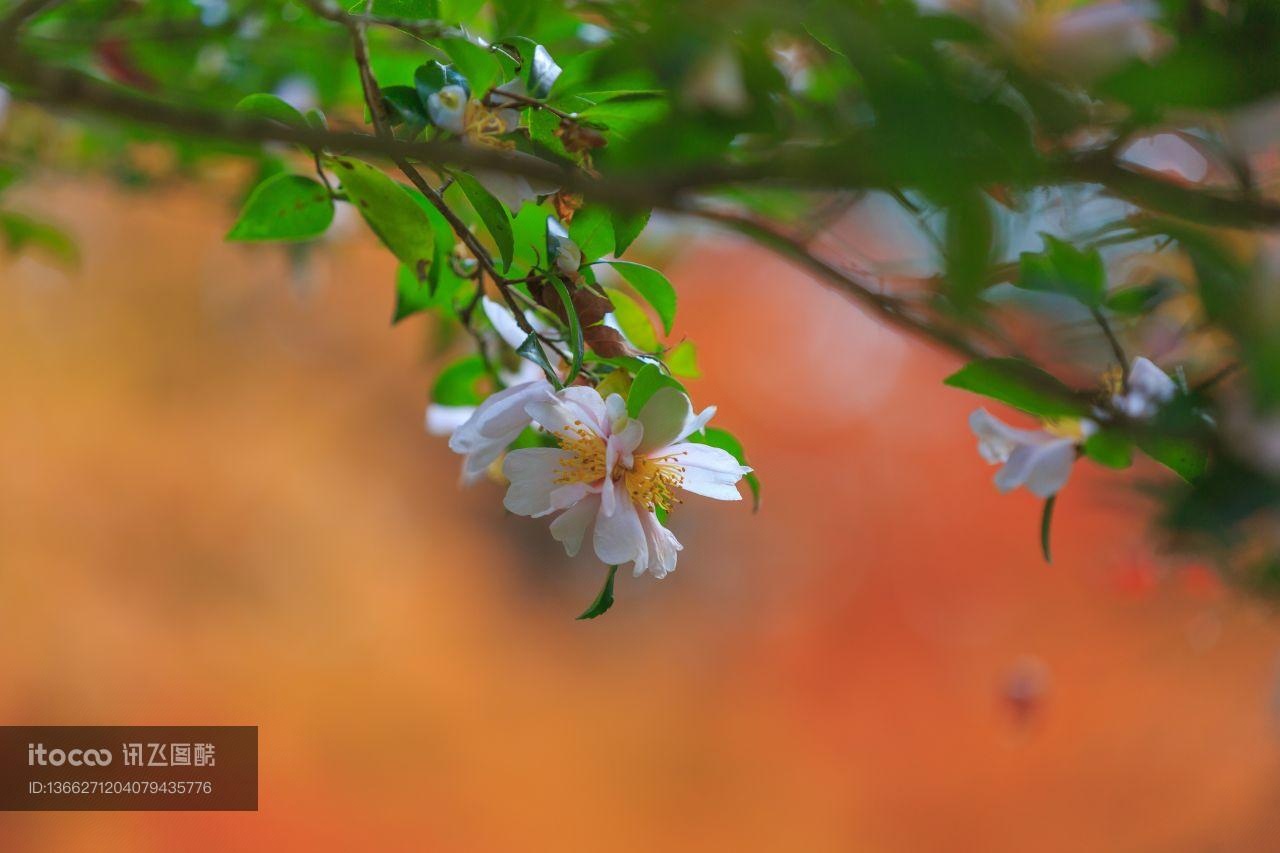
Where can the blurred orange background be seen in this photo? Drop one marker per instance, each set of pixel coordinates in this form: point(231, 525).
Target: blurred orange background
point(218, 506)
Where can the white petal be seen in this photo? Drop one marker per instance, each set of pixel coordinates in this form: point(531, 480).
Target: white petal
point(448, 108)
point(996, 439)
point(504, 322)
point(1043, 469)
point(443, 420)
point(570, 527)
point(664, 415)
point(621, 446)
point(662, 544)
point(708, 471)
point(571, 407)
point(619, 537)
point(532, 473)
point(494, 424)
point(695, 423)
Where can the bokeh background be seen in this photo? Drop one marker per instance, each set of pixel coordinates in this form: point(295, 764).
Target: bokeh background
point(218, 506)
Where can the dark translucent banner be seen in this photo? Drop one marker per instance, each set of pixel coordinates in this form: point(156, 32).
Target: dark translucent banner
point(128, 768)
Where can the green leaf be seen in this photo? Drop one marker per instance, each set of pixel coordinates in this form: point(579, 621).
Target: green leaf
point(404, 107)
point(394, 216)
point(604, 600)
point(1062, 268)
point(647, 381)
point(1138, 300)
point(477, 64)
point(540, 69)
point(682, 360)
point(969, 234)
point(626, 228)
point(1183, 457)
point(284, 207)
point(653, 286)
point(1046, 523)
point(728, 442)
point(412, 9)
point(270, 107)
point(592, 230)
point(1110, 448)
point(432, 77)
point(532, 350)
point(1020, 384)
point(492, 213)
point(9, 175)
point(635, 324)
point(575, 327)
point(22, 232)
point(459, 383)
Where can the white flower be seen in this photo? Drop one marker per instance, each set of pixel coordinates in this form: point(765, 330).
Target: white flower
point(4, 104)
point(448, 108)
point(1147, 389)
point(568, 255)
point(1038, 459)
point(611, 472)
point(1082, 43)
point(481, 433)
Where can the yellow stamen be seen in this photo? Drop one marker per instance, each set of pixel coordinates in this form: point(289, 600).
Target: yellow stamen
point(1072, 428)
point(482, 125)
point(652, 483)
point(585, 464)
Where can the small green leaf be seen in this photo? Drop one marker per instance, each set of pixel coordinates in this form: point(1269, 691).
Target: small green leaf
point(1183, 457)
point(265, 106)
point(284, 207)
point(459, 383)
point(635, 324)
point(532, 350)
point(492, 213)
point(592, 230)
point(1046, 523)
point(682, 360)
point(1062, 268)
point(22, 232)
point(653, 286)
point(1136, 301)
point(575, 327)
point(727, 441)
point(394, 216)
point(626, 228)
point(1110, 448)
point(1020, 384)
point(604, 600)
point(647, 381)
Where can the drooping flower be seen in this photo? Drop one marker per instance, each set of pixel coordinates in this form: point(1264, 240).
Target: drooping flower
point(1041, 459)
point(1147, 389)
point(481, 433)
point(612, 473)
point(479, 124)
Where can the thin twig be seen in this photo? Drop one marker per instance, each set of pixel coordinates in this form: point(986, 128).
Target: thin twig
point(1116, 349)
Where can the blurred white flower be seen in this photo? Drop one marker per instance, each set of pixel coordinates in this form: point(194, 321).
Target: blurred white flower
point(1081, 43)
point(1147, 389)
point(299, 92)
point(481, 433)
point(448, 108)
point(1041, 460)
point(4, 104)
point(612, 473)
point(716, 83)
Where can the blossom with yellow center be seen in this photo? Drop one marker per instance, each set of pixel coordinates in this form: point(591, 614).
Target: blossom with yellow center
point(611, 474)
